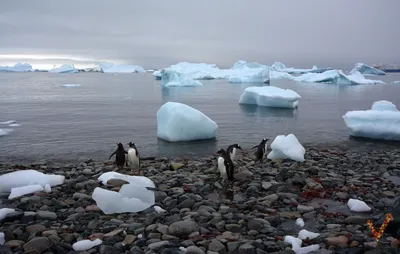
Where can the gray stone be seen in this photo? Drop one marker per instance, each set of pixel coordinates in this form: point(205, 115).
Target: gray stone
point(183, 228)
point(38, 244)
point(194, 250)
point(45, 215)
point(216, 246)
point(158, 245)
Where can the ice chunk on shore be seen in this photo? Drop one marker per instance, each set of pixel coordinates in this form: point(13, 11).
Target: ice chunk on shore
point(287, 147)
point(157, 75)
point(71, 85)
point(2, 240)
point(356, 205)
point(365, 70)
point(296, 245)
point(24, 190)
point(19, 67)
point(337, 77)
point(180, 122)
point(65, 68)
point(28, 177)
point(382, 121)
point(304, 234)
point(121, 68)
point(262, 76)
point(300, 222)
point(170, 78)
point(137, 180)
point(270, 96)
point(4, 212)
point(84, 245)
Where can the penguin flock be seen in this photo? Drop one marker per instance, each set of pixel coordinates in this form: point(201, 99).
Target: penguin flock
point(225, 165)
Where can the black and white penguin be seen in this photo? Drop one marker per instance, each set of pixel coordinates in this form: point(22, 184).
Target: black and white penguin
point(232, 150)
point(261, 148)
point(119, 155)
point(133, 157)
point(225, 165)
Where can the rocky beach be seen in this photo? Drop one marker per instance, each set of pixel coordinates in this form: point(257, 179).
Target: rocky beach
point(201, 215)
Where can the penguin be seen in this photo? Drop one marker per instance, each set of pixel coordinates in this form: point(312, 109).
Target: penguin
point(261, 148)
point(231, 150)
point(133, 157)
point(225, 165)
point(119, 155)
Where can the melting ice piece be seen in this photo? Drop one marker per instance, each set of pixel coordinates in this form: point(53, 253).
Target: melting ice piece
point(86, 244)
point(382, 121)
point(300, 222)
point(262, 76)
point(8, 122)
point(365, 70)
point(304, 234)
point(4, 132)
point(296, 245)
point(157, 75)
point(65, 68)
point(24, 190)
point(158, 209)
point(4, 212)
point(180, 122)
point(71, 85)
point(356, 205)
point(287, 147)
point(137, 180)
point(28, 177)
point(270, 96)
point(171, 78)
point(337, 77)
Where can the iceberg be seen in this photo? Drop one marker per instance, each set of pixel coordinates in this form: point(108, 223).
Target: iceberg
point(28, 177)
point(19, 67)
point(396, 82)
point(366, 70)
point(243, 65)
point(287, 147)
point(65, 68)
point(157, 75)
point(280, 75)
point(171, 78)
point(261, 76)
point(270, 96)
point(180, 122)
point(280, 67)
point(120, 68)
point(382, 121)
point(337, 77)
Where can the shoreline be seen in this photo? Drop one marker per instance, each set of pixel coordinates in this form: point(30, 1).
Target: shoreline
point(202, 217)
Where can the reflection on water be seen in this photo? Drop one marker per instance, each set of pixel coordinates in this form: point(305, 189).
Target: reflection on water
point(176, 93)
point(196, 147)
point(258, 111)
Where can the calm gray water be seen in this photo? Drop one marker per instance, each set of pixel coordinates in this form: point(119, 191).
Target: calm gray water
point(87, 121)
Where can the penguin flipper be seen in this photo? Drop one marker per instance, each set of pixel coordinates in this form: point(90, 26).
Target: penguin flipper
point(112, 155)
point(254, 147)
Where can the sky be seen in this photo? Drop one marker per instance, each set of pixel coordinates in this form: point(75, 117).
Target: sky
point(158, 33)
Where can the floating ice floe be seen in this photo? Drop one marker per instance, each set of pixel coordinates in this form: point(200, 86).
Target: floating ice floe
point(84, 245)
point(296, 245)
point(356, 205)
point(121, 68)
point(23, 178)
point(180, 122)
point(65, 68)
point(270, 96)
point(287, 147)
point(171, 78)
point(131, 198)
point(396, 82)
point(366, 70)
point(19, 67)
point(262, 76)
point(4, 212)
point(280, 67)
point(382, 121)
point(337, 77)
point(4, 132)
point(157, 74)
point(71, 85)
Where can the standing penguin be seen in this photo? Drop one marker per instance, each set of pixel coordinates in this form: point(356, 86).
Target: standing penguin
point(261, 149)
point(133, 157)
point(232, 150)
point(225, 165)
point(119, 155)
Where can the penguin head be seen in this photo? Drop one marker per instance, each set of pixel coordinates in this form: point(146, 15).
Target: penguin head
point(120, 146)
point(131, 144)
point(237, 146)
point(221, 151)
point(264, 140)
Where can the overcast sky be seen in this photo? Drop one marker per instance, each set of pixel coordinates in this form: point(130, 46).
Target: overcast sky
point(158, 33)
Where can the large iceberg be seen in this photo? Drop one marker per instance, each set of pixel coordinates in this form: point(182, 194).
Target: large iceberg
point(19, 67)
point(382, 121)
point(65, 68)
point(262, 76)
point(171, 78)
point(120, 68)
point(270, 96)
point(366, 70)
point(337, 77)
point(287, 147)
point(180, 122)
